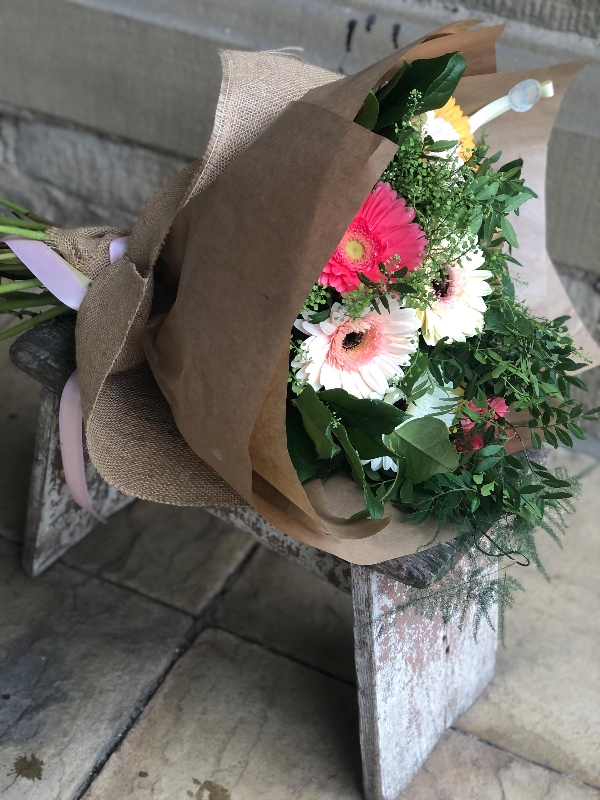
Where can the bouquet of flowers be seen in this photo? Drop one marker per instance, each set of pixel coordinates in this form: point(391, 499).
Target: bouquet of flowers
point(325, 317)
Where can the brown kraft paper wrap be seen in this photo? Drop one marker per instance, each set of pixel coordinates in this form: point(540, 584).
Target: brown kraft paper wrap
point(249, 230)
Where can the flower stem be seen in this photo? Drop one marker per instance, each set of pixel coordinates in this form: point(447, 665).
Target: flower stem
point(13, 206)
point(29, 323)
point(25, 232)
point(32, 301)
point(23, 223)
point(17, 286)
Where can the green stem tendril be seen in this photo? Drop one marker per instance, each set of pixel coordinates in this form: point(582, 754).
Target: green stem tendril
point(31, 301)
point(23, 223)
point(25, 232)
point(29, 323)
point(17, 286)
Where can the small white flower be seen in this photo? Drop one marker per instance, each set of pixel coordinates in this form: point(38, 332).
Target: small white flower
point(360, 356)
point(458, 307)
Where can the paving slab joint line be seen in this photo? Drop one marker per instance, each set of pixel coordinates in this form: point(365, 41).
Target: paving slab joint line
point(276, 651)
point(209, 607)
point(199, 624)
point(523, 758)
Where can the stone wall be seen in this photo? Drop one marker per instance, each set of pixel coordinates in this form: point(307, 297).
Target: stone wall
point(75, 176)
point(577, 16)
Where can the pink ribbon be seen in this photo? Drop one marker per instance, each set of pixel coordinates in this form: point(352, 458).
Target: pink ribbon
point(70, 426)
point(49, 268)
point(56, 276)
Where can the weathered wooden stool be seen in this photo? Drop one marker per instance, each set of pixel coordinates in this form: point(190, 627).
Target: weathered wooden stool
point(415, 676)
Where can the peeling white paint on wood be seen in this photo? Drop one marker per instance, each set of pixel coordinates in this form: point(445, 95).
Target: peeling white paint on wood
point(415, 677)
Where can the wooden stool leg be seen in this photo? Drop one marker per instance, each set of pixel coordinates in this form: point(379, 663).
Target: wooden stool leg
point(54, 520)
point(415, 677)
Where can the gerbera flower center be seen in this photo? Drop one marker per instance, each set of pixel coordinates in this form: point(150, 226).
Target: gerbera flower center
point(442, 286)
point(352, 340)
point(355, 249)
point(360, 249)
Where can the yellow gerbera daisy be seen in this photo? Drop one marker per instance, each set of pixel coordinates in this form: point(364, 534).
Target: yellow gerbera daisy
point(448, 124)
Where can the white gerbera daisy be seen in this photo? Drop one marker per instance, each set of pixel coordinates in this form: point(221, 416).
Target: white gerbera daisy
point(360, 355)
point(458, 307)
point(438, 402)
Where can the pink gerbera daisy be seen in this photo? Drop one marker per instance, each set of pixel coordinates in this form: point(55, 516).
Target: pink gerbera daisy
point(383, 228)
point(360, 355)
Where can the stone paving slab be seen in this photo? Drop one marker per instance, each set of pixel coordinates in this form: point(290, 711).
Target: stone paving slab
point(286, 608)
point(464, 768)
point(236, 722)
point(76, 657)
point(19, 404)
point(544, 702)
point(181, 556)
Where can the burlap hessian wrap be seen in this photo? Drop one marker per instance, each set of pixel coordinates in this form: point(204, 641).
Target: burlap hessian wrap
point(182, 344)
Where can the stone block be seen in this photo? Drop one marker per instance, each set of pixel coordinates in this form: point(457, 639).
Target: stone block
point(543, 701)
point(19, 404)
point(285, 608)
point(99, 171)
point(578, 16)
point(180, 556)
point(78, 655)
point(235, 722)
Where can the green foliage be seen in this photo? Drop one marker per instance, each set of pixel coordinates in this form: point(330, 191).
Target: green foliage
point(425, 445)
point(481, 580)
point(432, 80)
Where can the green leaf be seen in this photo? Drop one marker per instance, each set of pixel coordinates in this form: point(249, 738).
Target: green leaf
point(442, 88)
point(558, 496)
point(564, 437)
point(487, 489)
point(518, 200)
point(419, 516)
point(319, 316)
point(434, 78)
point(488, 463)
point(367, 116)
point(514, 462)
point(576, 430)
point(509, 232)
point(368, 447)
point(536, 440)
point(487, 192)
point(425, 444)
point(374, 416)
point(550, 438)
point(374, 506)
point(300, 445)
point(511, 165)
point(532, 489)
point(317, 420)
point(491, 450)
point(385, 90)
point(441, 146)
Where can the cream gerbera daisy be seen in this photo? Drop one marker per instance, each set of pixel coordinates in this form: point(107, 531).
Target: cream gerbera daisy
point(457, 306)
point(360, 355)
point(450, 124)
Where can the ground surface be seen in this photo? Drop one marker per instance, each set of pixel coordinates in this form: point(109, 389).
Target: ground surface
point(168, 657)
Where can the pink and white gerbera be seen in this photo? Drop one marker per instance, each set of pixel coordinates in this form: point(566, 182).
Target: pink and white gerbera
point(361, 355)
point(383, 228)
